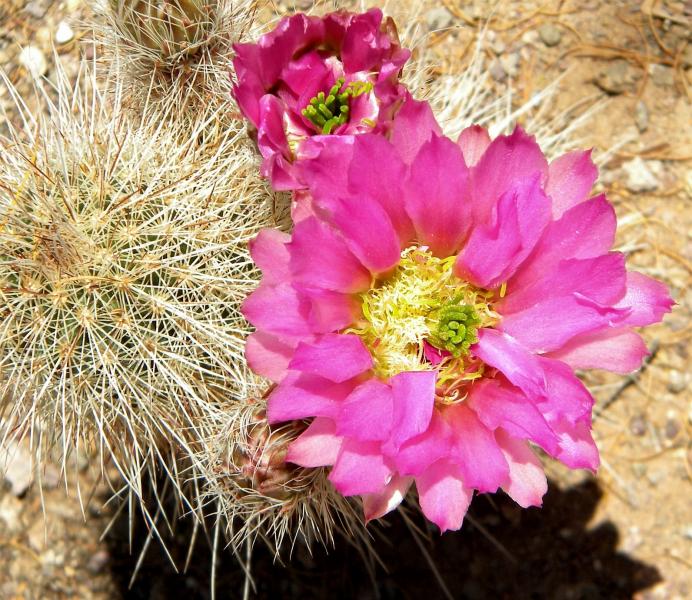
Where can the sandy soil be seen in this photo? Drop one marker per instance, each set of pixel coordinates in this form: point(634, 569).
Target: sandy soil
point(625, 533)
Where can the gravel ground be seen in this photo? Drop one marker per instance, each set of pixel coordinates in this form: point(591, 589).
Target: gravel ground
point(626, 533)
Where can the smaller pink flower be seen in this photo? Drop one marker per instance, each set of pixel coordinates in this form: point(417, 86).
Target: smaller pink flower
point(318, 77)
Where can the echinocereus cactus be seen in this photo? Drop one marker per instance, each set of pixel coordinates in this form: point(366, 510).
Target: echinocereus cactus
point(428, 316)
point(174, 54)
point(313, 77)
point(123, 263)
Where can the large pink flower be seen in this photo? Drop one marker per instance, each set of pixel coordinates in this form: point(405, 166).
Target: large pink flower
point(428, 316)
point(316, 77)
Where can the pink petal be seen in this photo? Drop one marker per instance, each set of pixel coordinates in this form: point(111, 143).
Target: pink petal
point(481, 463)
point(367, 414)
point(317, 446)
point(505, 406)
point(378, 505)
point(508, 161)
point(577, 448)
point(601, 278)
point(321, 259)
point(270, 254)
point(619, 350)
point(360, 469)
point(648, 298)
point(584, 231)
point(414, 398)
point(267, 356)
point(436, 196)
point(551, 324)
point(279, 310)
point(413, 126)
point(570, 179)
point(368, 231)
point(300, 396)
point(527, 482)
point(443, 496)
point(473, 141)
point(566, 396)
point(330, 311)
point(494, 251)
point(376, 171)
point(519, 365)
point(337, 357)
point(418, 453)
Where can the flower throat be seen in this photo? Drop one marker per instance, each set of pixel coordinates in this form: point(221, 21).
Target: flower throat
point(332, 110)
point(421, 303)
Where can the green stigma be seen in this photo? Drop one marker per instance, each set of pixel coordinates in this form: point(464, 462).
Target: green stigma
point(456, 328)
point(332, 109)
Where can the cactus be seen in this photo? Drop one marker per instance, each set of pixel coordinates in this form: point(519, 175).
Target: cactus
point(173, 53)
point(123, 263)
point(258, 494)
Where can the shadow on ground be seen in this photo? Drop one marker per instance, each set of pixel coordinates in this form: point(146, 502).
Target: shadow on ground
point(533, 554)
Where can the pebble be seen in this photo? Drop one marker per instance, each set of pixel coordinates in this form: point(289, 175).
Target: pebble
point(510, 63)
point(33, 60)
point(687, 532)
point(677, 381)
point(98, 561)
point(36, 8)
point(64, 33)
point(498, 46)
point(687, 56)
point(641, 175)
point(615, 78)
point(10, 512)
point(638, 425)
point(438, 18)
point(671, 429)
point(550, 34)
point(496, 71)
point(641, 116)
point(656, 477)
point(15, 465)
point(661, 75)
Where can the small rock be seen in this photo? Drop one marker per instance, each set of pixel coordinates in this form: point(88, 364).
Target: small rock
point(438, 18)
point(671, 429)
point(661, 75)
point(33, 60)
point(639, 470)
point(641, 116)
point(36, 8)
point(656, 477)
point(498, 46)
point(641, 175)
point(638, 425)
point(64, 33)
point(15, 466)
point(510, 63)
point(633, 539)
point(687, 56)
point(496, 71)
point(687, 532)
point(98, 561)
point(550, 34)
point(677, 382)
point(10, 512)
point(616, 78)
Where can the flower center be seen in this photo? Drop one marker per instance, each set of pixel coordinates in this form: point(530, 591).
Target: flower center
point(331, 110)
point(423, 306)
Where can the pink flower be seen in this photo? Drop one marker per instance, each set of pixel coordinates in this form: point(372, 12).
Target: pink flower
point(429, 314)
point(318, 77)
